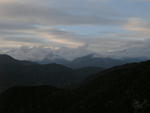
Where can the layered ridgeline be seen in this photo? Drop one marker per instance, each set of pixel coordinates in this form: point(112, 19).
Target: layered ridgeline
point(122, 89)
point(14, 72)
point(91, 60)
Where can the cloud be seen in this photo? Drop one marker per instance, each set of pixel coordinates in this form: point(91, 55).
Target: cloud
point(28, 23)
point(40, 52)
point(36, 23)
point(137, 24)
point(54, 13)
point(42, 36)
point(139, 0)
point(138, 49)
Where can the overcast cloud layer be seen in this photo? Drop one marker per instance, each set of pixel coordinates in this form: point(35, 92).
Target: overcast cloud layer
point(74, 28)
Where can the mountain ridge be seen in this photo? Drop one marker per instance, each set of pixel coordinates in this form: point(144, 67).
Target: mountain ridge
point(94, 61)
point(122, 89)
point(15, 72)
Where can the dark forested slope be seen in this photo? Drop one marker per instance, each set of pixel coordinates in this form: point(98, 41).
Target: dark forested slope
point(123, 89)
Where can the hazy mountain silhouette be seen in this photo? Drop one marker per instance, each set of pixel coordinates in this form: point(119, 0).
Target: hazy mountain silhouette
point(122, 89)
point(14, 72)
point(92, 61)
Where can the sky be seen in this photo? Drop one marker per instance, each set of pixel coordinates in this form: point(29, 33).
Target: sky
point(72, 28)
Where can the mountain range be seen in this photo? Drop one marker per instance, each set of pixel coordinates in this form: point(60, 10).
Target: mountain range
point(14, 72)
point(91, 60)
point(121, 89)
